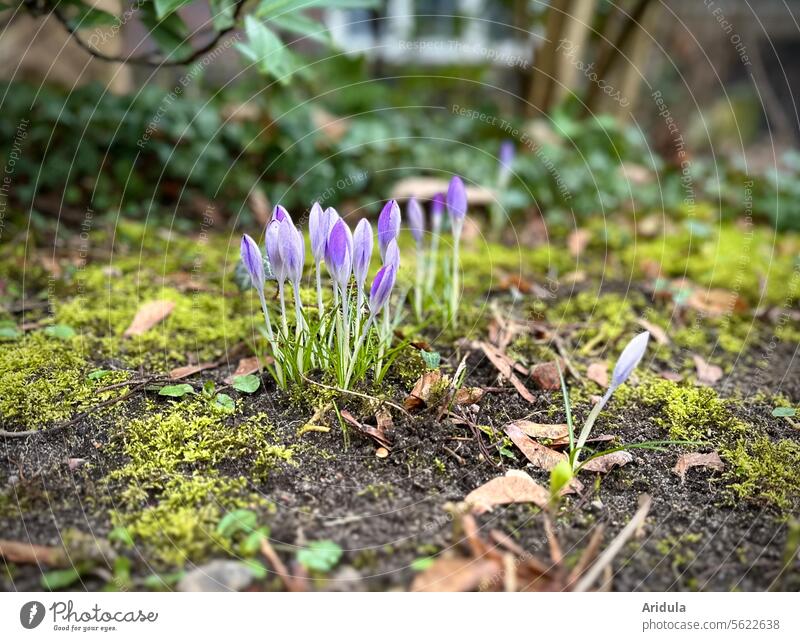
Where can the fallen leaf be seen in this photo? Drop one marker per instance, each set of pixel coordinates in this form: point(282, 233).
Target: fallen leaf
point(421, 394)
point(697, 459)
point(515, 487)
point(455, 575)
point(577, 241)
point(656, 332)
point(607, 462)
point(545, 375)
point(468, 395)
point(188, 370)
point(707, 373)
point(671, 376)
point(247, 366)
point(27, 553)
point(541, 456)
point(148, 316)
point(543, 430)
point(598, 372)
point(367, 430)
point(715, 302)
point(384, 420)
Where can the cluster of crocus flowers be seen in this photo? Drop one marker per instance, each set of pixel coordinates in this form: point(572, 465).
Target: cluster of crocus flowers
point(339, 338)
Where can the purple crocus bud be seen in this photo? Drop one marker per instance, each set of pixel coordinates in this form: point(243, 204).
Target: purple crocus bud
point(416, 219)
point(507, 154)
point(292, 250)
point(318, 231)
point(339, 253)
point(362, 251)
point(381, 288)
point(272, 243)
point(392, 255)
point(388, 225)
point(456, 199)
point(437, 211)
point(252, 260)
point(280, 214)
point(629, 359)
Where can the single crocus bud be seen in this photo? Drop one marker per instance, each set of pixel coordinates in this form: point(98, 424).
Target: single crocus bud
point(629, 359)
point(416, 219)
point(318, 231)
point(280, 214)
point(392, 255)
point(272, 244)
point(388, 225)
point(253, 262)
point(362, 251)
point(292, 250)
point(339, 253)
point(381, 288)
point(437, 212)
point(507, 154)
point(456, 199)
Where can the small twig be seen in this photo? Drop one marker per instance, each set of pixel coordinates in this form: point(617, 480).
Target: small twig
point(358, 394)
point(458, 458)
point(276, 563)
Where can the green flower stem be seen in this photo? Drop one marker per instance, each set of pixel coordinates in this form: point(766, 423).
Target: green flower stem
point(319, 291)
point(433, 259)
point(418, 285)
point(455, 283)
point(587, 426)
point(356, 350)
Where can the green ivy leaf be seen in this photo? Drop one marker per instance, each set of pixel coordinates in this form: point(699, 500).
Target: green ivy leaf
point(247, 384)
point(97, 374)
point(784, 412)
point(222, 12)
point(265, 49)
point(432, 359)
point(166, 7)
point(62, 332)
point(58, 579)
point(237, 521)
point(225, 402)
point(176, 391)
point(256, 568)
point(89, 17)
point(252, 544)
point(121, 535)
point(9, 333)
point(320, 556)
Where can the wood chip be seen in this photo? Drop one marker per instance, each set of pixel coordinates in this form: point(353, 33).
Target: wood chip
point(697, 459)
point(456, 575)
point(148, 316)
point(607, 462)
point(189, 370)
point(515, 487)
point(598, 372)
point(541, 456)
point(707, 373)
point(545, 375)
point(715, 302)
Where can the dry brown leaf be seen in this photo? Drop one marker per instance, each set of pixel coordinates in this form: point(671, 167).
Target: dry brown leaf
point(541, 456)
point(707, 373)
point(545, 375)
point(697, 459)
point(468, 395)
point(656, 332)
point(384, 420)
point(607, 462)
point(505, 366)
point(716, 302)
point(27, 553)
point(456, 575)
point(543, 430)
point(577, 241)
point(188, 370)
point(515, 487)
point(367, 430)
point(671, 376)
point(148, 316)
point(598, 372)
point(249, 365)
point(421, 394)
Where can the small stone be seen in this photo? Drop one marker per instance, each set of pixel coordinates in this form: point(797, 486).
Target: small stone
point(545, 376)
point(217, 576)
point(381, 452)
point(346, 579)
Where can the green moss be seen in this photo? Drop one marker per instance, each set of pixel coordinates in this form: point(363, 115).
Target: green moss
point(43, 380)
point(606, 317)
point(171, 489)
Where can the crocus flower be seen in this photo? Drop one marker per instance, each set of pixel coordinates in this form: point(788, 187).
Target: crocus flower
point(381, 288)
point(629, 359)
point(339, 253)
point(456, 199)
point(318, 231)
point(437, 211)
point(292, 250)
point(392, 256)
point(362, 251)
point(280, 214)
point(416, 220)
point(388, 225)
point(507, 154)
point(252, 260)
point(272, 244)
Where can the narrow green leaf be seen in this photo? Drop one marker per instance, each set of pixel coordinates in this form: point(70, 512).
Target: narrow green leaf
point(58, 579)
